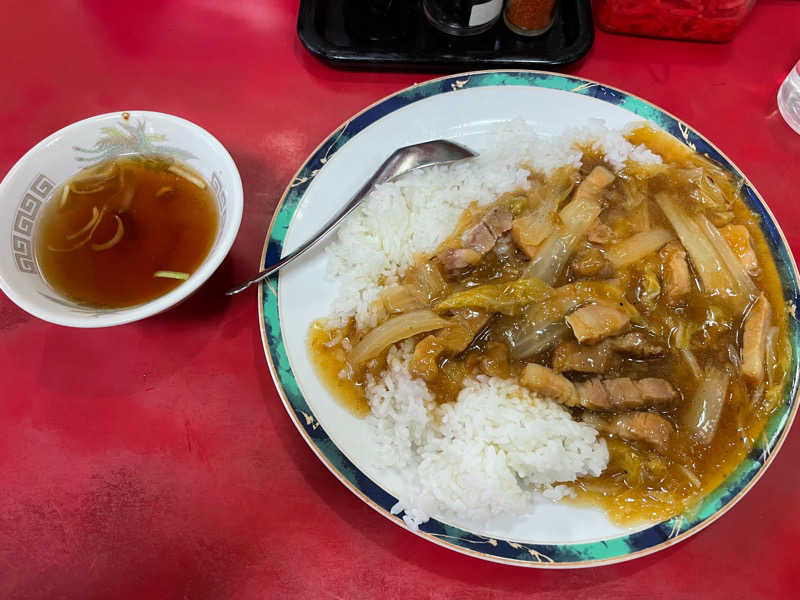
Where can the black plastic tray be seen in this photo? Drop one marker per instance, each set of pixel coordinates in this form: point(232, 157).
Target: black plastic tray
point(344, 34)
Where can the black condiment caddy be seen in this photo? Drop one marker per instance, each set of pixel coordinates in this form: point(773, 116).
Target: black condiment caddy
point(347, 34)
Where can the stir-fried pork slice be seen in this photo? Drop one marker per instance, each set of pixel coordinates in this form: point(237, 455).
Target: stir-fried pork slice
point(738, 238)
point(640, 426)
point(754, 340)
point(454, 259)
point(623, 393)
point(547, 382)
point(589, 262)
point(636, 345)
point(480, 238)
point(570, 356)
point(477, 240)
point(600, 233)
point(593, 395)
point(528, 231)
point(657, 392)
point(647, 427)
point(677, 280)
point(594, 322)
point(498, 221)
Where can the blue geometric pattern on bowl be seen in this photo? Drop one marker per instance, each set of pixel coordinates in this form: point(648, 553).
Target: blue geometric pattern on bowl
point(509, 551)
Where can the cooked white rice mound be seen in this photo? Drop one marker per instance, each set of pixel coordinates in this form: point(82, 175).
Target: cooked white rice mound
point(376, 244)
point(486, 455)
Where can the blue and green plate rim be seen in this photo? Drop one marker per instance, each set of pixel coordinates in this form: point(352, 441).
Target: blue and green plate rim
point(625, 547)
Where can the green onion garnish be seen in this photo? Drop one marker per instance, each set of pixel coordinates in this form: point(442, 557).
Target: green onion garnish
point(172, 275)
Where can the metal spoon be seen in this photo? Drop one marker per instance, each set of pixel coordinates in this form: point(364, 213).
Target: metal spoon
point(403, 160)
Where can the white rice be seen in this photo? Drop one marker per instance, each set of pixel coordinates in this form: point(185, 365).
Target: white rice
point(498, 446)
point(486, 455)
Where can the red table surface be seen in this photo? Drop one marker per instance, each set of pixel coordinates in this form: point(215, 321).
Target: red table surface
point(155, 460)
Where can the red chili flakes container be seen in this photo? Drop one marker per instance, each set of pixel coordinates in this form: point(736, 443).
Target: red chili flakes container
point(701, 20)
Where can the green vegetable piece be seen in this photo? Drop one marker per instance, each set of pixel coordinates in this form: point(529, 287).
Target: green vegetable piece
point(508, 298)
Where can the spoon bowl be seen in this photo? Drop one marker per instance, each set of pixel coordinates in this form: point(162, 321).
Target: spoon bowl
point(401, 161)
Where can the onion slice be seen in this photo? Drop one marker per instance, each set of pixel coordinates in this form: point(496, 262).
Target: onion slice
point(88, 226)
point(703, 411)
point(194, 179)
point(396, 329)
point(86, 239)
point(114, 240)
point(75, 246)
point(62, 202)
point(172, 275)
point(127, 191)
point(93, 183)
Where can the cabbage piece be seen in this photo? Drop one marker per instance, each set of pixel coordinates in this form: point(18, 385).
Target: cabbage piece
point(691, 362)
point(577, 217)
point(540, 336)
point(731, 262)
point(559, 246)
point(507, 298)
point(549, 196)
point(704, 409)
point(637, 246)
point(399, 299)
point(542, 324)
point(567, 298)
point(648, 290)
point(716, 279)
point(425, 281)
point(714, 187)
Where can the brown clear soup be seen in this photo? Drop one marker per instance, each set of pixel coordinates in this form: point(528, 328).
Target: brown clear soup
point(126, 231)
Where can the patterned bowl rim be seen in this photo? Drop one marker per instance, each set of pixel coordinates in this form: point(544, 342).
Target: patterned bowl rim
point(564, 555)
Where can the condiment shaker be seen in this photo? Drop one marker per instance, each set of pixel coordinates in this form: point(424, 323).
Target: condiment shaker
point(462, 17)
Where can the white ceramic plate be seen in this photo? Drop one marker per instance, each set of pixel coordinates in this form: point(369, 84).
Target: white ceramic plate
point(462, 108)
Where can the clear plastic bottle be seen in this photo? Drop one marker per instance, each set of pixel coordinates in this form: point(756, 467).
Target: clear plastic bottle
point(789, 98)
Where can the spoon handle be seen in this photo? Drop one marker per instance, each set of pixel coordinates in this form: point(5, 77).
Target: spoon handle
point(385, 172)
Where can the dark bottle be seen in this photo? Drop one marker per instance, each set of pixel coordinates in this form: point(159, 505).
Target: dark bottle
point(462, 17)
point(378, 20)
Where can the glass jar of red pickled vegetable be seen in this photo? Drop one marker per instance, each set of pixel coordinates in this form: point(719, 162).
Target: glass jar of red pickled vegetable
point(701, 20)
